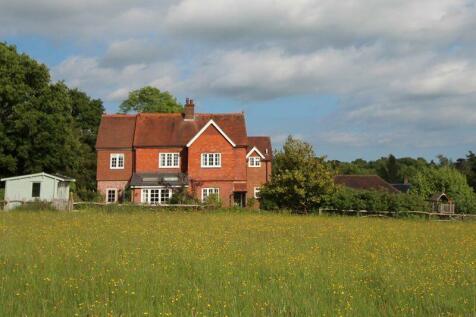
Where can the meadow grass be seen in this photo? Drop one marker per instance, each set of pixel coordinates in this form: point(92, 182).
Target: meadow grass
point(92, 263)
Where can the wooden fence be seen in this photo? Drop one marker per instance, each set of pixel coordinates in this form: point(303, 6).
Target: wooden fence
point(427, 215)
point(146, 206)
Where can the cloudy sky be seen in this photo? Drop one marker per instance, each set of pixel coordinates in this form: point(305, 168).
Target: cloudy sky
point(353, 78)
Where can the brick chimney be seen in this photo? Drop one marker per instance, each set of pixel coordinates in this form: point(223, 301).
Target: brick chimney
point(189, 110)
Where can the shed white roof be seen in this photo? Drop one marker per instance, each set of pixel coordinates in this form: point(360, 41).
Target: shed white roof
point(61, 178)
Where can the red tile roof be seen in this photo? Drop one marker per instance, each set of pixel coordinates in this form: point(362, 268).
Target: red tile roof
point(165, 129)
point(365, 182)
point(116, 131)
point(263, 144)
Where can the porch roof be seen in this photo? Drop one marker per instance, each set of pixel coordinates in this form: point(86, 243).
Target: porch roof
point(159, 179)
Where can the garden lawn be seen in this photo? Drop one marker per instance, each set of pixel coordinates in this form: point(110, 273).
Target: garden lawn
point(140, 263)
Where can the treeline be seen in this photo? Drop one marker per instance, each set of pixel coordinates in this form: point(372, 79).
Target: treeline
point(303, 182)
point(396, 170)
point(44, 125)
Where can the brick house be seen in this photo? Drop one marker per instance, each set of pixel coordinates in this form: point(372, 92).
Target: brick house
point(156, 154)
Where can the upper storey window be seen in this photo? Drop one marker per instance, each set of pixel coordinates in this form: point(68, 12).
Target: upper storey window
point(211, 159)
point(169, 160)
point(117, 161)
point(254, 161)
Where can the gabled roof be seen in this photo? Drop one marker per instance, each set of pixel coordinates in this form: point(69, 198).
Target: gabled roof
point(116, 131)
point(170, 129)
point(61, 178)
point(364, 182)
point(205, 127)
point(262, 144)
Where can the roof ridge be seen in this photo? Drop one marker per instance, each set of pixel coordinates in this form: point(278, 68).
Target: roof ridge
point(220, 114)
point(119, 115)
point(159, 114)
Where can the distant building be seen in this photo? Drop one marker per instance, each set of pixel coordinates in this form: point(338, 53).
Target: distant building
point(365, 182)
point(39, 186)
point(403, 187)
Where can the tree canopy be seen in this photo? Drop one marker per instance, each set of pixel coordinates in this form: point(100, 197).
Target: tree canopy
point(150, 99)
point(44, 126)
point(300, 180)
point(447, 179)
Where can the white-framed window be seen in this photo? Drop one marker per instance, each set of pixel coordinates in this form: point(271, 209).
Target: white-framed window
point(256, 192)
point(211, 159)
point(254, 161)
point(111, 195)
point(169, 160)
point(207, 192)
point(156, 196)
point(117, 161)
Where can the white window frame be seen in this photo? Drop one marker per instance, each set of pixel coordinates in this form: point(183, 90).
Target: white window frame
point(256, 191)
point(210, 191)
point(254, 161)
point(173, 155)
point(115, 195)
point(216, 160)
point(146, 195)
point(117, 157)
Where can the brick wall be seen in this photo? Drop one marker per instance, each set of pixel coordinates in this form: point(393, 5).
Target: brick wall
point(226, 190)
point(103, 186)
point(147, 160)
point(232, 159)
point(104, 172)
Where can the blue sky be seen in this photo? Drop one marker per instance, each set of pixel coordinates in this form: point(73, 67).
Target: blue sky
point(354, 79)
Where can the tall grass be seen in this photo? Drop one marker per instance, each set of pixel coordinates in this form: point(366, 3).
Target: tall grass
point(191, 264)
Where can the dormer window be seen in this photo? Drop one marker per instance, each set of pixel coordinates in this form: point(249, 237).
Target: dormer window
point(117, 161)
point(254, 161)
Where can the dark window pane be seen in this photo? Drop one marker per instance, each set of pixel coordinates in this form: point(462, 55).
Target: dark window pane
point(35, 192)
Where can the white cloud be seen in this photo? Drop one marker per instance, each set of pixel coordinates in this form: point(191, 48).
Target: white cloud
point(112, 84)
point(404, 71)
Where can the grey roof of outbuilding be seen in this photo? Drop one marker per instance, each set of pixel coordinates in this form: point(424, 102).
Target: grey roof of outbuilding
point(159, 179)
point(56, 176)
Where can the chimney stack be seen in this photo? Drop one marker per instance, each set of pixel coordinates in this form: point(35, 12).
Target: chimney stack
point(189, 109)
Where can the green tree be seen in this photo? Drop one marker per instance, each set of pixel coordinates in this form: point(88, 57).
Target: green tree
point(389, 169)
point(44, 126)
point(431, 180)
point(300, 181)
point(87, 116)
point(467, 166)
point(150, 99)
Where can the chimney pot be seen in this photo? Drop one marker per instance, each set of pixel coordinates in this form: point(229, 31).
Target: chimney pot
point(189, 110)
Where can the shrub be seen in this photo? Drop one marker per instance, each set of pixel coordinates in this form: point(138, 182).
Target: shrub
point(348, 199)
point(213, 201)
point(182, 196)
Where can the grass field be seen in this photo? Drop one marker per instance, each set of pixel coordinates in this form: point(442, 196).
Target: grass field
point(192, 264)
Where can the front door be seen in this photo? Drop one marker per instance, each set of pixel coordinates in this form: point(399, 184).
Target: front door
point(239, 199)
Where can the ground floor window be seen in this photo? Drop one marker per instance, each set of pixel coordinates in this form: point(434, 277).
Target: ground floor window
point(207, 192)
point(256, 192)
point(111, 195)
point(156, 196)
